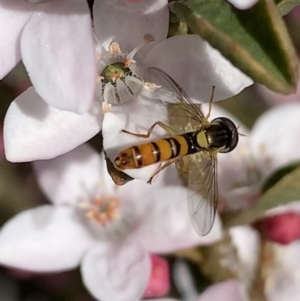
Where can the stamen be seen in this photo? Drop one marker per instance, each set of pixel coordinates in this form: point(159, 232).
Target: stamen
point(129, 57)
point(99, 78)
point(114, 48)
point(150, 87)
point(105, 107)
point(102, 210)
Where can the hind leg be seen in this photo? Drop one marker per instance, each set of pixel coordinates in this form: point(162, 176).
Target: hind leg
point(167, 128)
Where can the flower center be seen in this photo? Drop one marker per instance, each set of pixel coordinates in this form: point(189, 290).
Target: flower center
point(119, 78)
point(114, 71)
point(101, 210)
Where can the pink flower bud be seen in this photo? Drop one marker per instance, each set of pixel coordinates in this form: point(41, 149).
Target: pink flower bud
point(159, 283)
point(282, 228)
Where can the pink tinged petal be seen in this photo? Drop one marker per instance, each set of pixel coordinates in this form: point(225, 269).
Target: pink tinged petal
point(137, 116)
point(165, 225)
point(71, 178)
point(231, 290)
point(196, 66)
point(117, 271)
point(33, 130)
point(58, 51)
point(159, 283)
point(283, 228)
point(44, 239)
point(272, 148)
point(13, 15)
point(127, 22)
point(243, 4)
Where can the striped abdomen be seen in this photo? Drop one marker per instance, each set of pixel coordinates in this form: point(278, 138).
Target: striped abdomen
point(157, 151)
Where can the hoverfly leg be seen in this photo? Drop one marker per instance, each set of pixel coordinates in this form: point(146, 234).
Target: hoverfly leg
point(162, 125)
point(159, 170)
point(211, 101)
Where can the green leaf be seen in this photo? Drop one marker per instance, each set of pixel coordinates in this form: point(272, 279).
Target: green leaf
point(285, 6)
point(254, 40)
point(284, 191)
point(278, 174)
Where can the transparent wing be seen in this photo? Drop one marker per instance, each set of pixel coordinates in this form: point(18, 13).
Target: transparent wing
point(203, 192)
point(181, 108)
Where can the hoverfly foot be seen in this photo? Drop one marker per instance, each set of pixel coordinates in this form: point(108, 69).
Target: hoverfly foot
point(150, 181)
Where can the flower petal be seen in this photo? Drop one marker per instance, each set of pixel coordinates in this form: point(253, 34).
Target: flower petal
point(291, 207)
point(231, 290)
point(196, 66)
point(71, 178)
point(283, 272)
point(116, 271)
point(183, 280)
point(59, 54)
point(13, 15)
point(46, 239)
point(242, 4)
point(247, 243)
point(165, 224)
point(274, 138)
point(137, 116)
point(33, 130)
point(127, 22)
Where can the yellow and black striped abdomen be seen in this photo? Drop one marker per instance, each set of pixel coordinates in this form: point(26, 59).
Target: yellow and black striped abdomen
point(157, 151)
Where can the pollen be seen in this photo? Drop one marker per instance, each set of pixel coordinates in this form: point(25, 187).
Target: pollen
point(114, 48)
point(151, 87)
point(106, 107)
point(102, 210)
point(128, 62)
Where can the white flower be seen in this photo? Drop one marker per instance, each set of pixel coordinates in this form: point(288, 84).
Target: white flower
point(61, 39)
point(243, 4)
point(246, 240)
point(49, 39)
point(191, 61)
point(274, 138)
point(109, 231)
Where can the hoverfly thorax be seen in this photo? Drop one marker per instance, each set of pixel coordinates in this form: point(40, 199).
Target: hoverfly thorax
point(222, 134)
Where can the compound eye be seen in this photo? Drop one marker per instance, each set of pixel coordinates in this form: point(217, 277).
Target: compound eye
point(232, 133)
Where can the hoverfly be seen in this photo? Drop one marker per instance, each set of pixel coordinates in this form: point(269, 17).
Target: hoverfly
point(194, 150)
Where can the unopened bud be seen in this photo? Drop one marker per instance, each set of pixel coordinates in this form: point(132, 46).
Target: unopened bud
point(159, 282)
point(282, 228)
